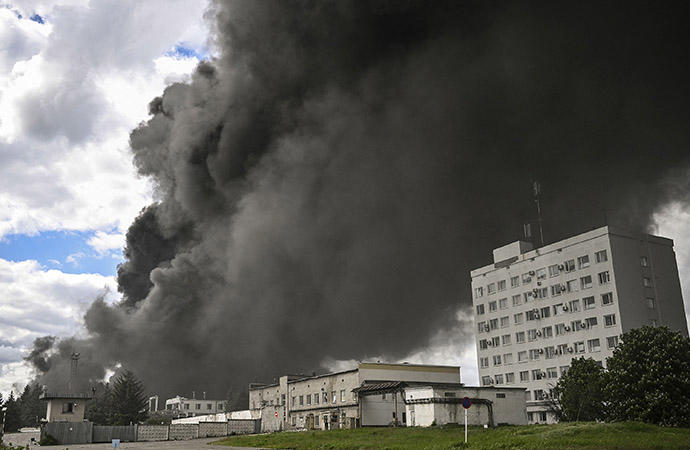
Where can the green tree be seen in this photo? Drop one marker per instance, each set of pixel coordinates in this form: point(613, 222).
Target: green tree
point(578, 394)
point(99, 409)
point(13, 419)
point(129, 401)
point(32, 409)
point(648, 378)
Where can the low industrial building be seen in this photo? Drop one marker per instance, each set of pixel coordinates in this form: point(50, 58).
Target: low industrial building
point(190, 407)
point(65, 407)
point(377, 394)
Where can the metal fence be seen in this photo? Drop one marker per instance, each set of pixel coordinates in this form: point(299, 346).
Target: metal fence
point(69, 432)
point(108, 433)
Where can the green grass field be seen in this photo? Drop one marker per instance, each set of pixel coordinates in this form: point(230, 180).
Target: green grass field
point(563, 435)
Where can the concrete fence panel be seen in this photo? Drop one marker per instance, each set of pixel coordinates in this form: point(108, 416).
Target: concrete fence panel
point(213, 429)
point(183, 431)
point(152, 433)
point(244, 426)
point(106, 433)
point(70, 432)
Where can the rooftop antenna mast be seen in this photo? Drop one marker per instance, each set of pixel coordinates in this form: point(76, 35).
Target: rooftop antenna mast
point(74, 370)
point(536, 186)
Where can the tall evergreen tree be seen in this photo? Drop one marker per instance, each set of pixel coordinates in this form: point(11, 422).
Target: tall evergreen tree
point(31, 408)
point(13, 419)
point(129, 402)
point(99, 410)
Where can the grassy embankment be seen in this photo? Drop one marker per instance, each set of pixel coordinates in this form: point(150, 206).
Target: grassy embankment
point(563, 435)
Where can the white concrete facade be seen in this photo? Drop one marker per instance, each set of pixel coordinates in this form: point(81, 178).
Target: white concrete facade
point(440, 405)
point(191, 407)
point(536, 309)
point(328, 401)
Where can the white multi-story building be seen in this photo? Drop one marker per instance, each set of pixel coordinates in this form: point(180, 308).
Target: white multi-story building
point(190, 407)
point(536, 309)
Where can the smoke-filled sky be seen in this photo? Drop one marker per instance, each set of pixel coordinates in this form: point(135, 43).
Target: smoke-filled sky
point(318, 188)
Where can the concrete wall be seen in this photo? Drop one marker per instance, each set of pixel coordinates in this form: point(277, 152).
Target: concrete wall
point(240, 426)
point(183, 431)
point(152, 433)
point(213, 429)
point(54, 410)
point(377, 411)
point(272, 419)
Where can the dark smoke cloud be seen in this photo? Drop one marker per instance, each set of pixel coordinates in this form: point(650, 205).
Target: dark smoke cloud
point(326, 184)
point(38, 357)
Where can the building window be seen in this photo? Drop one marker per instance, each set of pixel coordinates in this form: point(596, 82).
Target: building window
point(520, 337)
point(497, 360)
point(542, 415)
point(560, 329)
point(486, 380)
point(493, 324)
point(301, 400)
point(508, 358)
point(556, 290)
point(316, 420)
point(294, 421)
point(491, 288)
point(517, 300)
point(601, 256)
point(522, 356)
point(316, 398)
point(527, 296)
point(545, 312)
point(342, 396)
point(582, 262)
point(588, 302)
point(483, 345)
point(551, 372)
point(586, 282)
point(541, 273)
point(499, 379)
point(532, 335)
point(325, 397)
point(607, 299)
point(572, 286)
point(540, 292)
point(186, 406)
point(198, 406)
point(553, 271)
point(536, 375)
point(209, 406)
point(647, 282)
point(480, 309)
point(68, 408)
point(517, 318)
point(591, 322)
point(650, 303)
point(333, 396)
point(294, 401)
point(501, 285)
point(612, 342)
point(547, 332)
point(503, 303)
point(526, 278)
point(549, 352)
point(484, 362)
point(534, 353)
point(579, 347)
point(514, 282)
point(492, 306)
point(510, 378)
point(505, 339)
point(524, 376)
point(479, 292)
point(495, 341)
point(532, 314)
point(480, 327)
point(609, 320)
point(569, 265)
point(564, 370)
point(309, 399)
point(593, 345)
point(604, 277)
point(644, 261)
point(505, 321)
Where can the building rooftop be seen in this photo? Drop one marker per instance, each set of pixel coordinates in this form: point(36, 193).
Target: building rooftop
point(64, 395)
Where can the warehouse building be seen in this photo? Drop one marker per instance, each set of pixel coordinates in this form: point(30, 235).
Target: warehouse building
point(372, 394)
point(536, 309)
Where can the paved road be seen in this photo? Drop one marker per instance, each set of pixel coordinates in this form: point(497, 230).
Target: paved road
point(194, 444)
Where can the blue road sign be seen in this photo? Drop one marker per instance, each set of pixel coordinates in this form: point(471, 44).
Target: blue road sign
point(466, 402)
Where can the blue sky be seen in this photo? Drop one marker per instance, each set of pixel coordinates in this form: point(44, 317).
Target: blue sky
point(67, 251)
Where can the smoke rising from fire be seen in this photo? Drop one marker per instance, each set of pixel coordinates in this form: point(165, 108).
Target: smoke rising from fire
point(326, 184)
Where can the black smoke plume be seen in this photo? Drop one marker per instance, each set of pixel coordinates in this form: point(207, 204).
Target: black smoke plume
point(325, 185)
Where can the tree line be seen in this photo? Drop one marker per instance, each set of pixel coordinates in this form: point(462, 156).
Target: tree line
point(647, 379)
point(122, 403)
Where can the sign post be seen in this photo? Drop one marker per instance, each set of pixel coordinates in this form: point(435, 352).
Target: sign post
point(466, 403)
